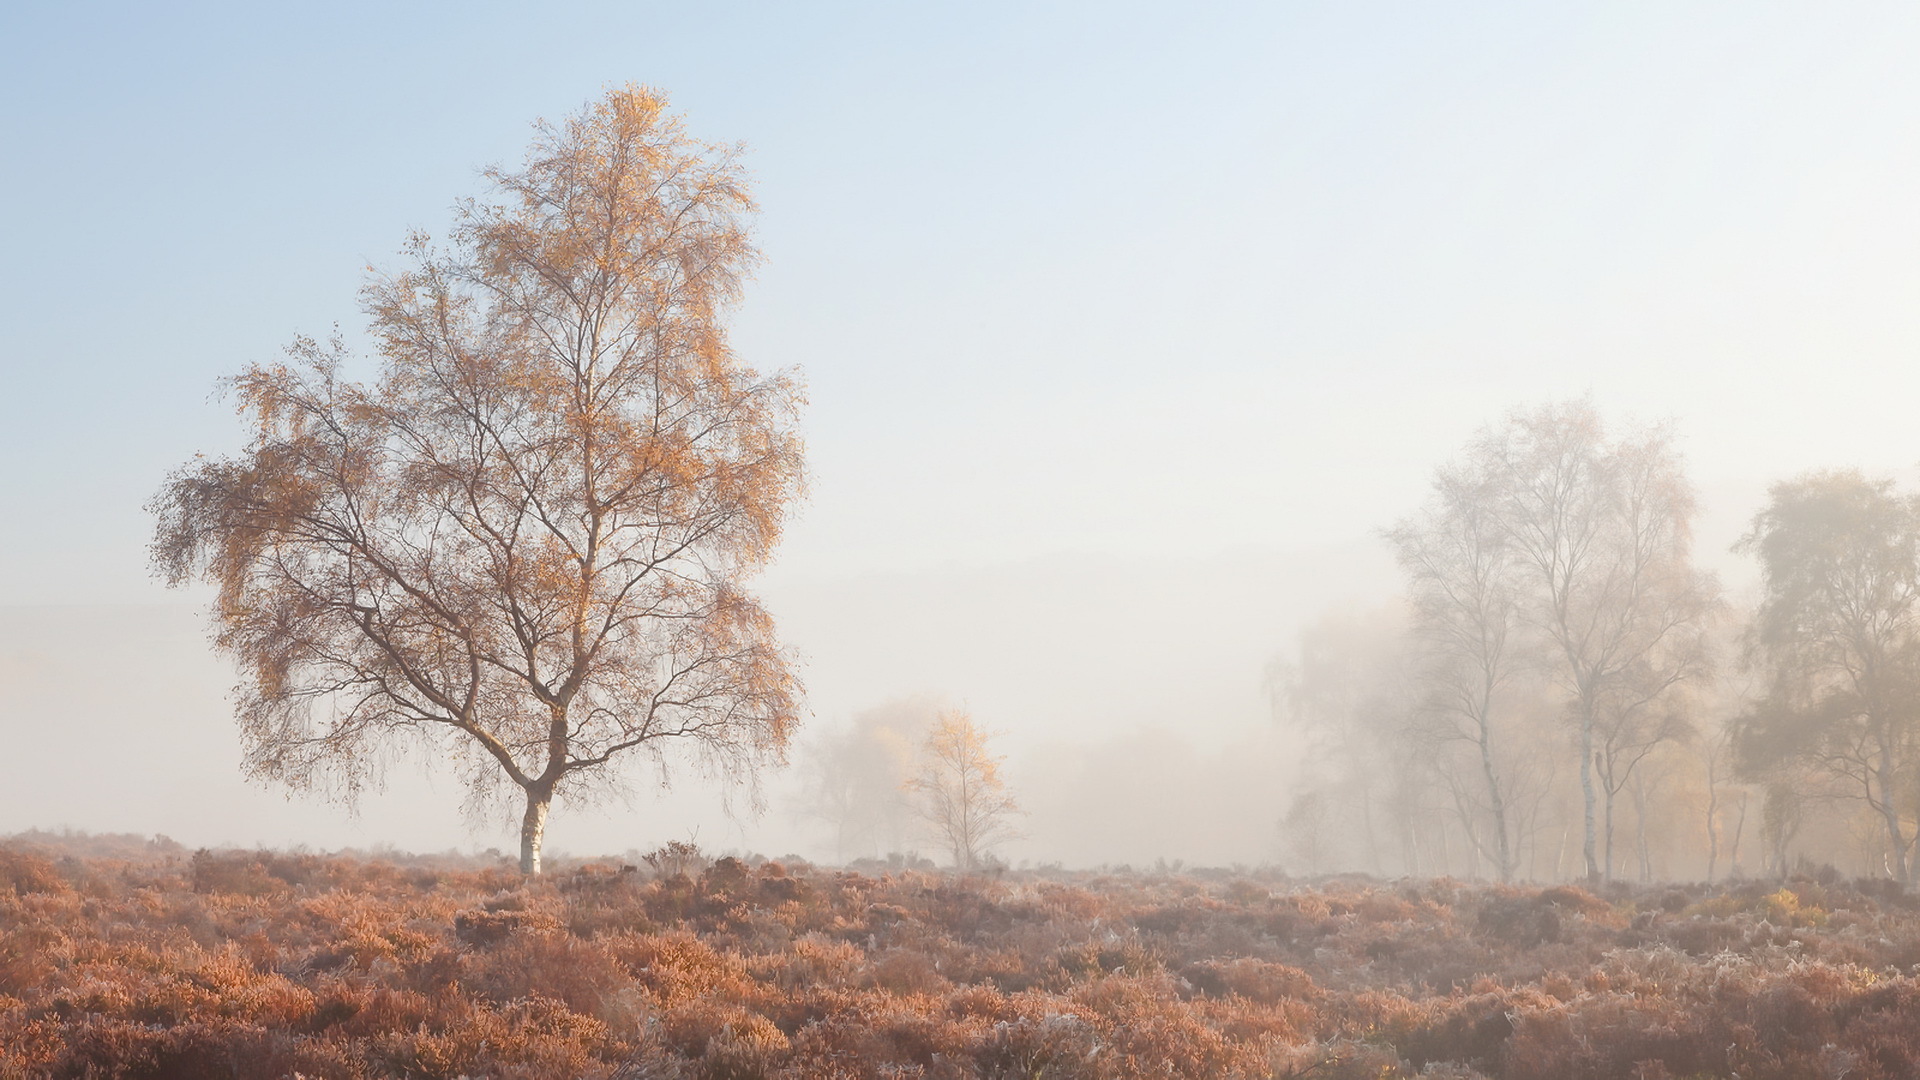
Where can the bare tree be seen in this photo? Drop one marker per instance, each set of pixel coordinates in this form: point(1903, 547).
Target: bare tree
point(1639, 718)
point(524, 546)
point(1461, 575)
point(1602, 531)
point(1720, 795)
point(960, 793)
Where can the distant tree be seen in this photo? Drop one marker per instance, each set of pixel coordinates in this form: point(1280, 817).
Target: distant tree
point(853, 777)
point(1465, 593)
point(1601, 531)
point(1305, 829)
point(525, 546)
point(960, 793)
point(1781, 817)
point(1722, 798)
point(1345, 692)
point(1838, 634)
point(1644, 713)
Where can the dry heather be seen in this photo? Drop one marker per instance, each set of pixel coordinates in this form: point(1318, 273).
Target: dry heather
point(123, 961)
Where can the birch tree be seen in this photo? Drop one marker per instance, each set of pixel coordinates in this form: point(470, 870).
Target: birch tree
point(1601, 531)
point(1461, 577)
point(524, 547)
point(960, 792)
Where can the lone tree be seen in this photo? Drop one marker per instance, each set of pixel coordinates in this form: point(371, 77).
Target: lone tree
point(523, 546)
point(960, 791)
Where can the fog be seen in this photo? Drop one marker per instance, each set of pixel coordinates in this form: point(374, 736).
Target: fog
point(1123, 692)
point(1126, 335)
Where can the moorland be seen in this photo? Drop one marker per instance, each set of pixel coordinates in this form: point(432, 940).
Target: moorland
point(129, 957)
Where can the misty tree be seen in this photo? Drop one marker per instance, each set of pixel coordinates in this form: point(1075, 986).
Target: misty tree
point(1659, 786)
point(854, 778)
point(1305, 827)
point(1600, 531)
point(960, 793)
point(524, 548)
point(1782, 814)
point(1643, 714)
point(1344, 691)
point(1838, 635)
point(1466, 623)
point(1723, 798)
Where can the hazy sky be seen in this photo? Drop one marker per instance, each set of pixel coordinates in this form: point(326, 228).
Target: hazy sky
point(1125, 327)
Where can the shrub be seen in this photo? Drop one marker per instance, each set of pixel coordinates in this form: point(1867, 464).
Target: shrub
point(23, 873)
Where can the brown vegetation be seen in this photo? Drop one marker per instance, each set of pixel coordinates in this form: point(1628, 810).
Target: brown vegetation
point(144, 961)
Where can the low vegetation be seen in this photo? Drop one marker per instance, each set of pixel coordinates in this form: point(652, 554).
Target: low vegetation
point(142, 960)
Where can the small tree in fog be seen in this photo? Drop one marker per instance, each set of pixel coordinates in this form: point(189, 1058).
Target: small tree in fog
point(960, 793)
point(1305, 829)
point(853, 777)
point(525, 546)
point(1346, 692)
point(1463, 580)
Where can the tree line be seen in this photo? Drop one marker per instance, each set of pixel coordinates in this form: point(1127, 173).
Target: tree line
point(1560, 671)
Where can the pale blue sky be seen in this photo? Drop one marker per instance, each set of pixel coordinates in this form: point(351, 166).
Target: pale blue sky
point(1153, 285)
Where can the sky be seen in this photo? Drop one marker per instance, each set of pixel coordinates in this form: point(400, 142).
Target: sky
point(1126, 328)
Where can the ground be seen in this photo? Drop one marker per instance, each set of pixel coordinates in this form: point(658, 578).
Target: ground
point(136, 959)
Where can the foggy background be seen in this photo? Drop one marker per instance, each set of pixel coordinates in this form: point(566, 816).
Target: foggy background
point(1126, 329)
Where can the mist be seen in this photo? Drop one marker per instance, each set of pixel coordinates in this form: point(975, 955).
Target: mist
point(1114, 386)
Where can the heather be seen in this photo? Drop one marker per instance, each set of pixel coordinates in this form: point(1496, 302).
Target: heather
point(124, 960)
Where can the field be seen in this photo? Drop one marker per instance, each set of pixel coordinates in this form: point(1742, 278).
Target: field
point(120, 957)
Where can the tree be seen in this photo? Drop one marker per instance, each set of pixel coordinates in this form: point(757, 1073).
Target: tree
point(1602, 533)
point(853, 777)
point(1720, 797)
point(1345, 693)
point(960, 793)
point(1305, 828)
point(525, 545)
point(1460, 568)
point(1838, 632)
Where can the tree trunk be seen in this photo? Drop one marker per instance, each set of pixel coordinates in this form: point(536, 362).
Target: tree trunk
point(1896, 840)
point(533, 828)
point(1409, 827)
point(1503, 853)
point(1713, 821)
point(1739, 830)
point(1607, 874)
point(1586, 786)
point(1640, 828)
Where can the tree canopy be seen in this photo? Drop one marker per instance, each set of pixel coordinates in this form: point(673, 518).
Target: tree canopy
point(1838, 636)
